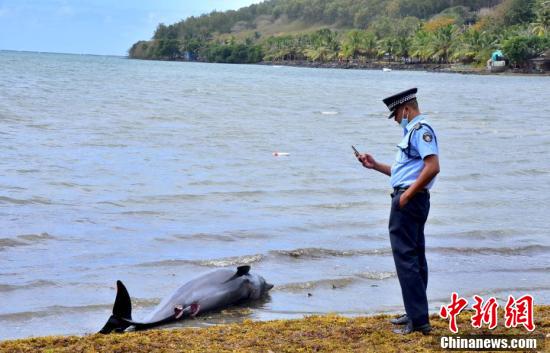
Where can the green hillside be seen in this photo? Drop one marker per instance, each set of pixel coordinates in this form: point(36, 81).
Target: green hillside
point(419, 31)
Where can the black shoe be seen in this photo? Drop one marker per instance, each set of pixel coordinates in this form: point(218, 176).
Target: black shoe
point(401, 320)
point(425, 329)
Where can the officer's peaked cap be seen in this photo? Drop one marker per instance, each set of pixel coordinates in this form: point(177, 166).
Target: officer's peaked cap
point(398, 99)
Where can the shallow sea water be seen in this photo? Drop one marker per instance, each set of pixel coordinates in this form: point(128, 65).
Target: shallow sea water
point(152, 172)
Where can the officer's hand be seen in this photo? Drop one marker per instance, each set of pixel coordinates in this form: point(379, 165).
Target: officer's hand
point(367, 160)
point(403, 200)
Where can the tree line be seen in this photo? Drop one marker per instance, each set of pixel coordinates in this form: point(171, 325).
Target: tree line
point(425, 31)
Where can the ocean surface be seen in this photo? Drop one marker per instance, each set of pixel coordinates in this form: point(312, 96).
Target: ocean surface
point(155, 172)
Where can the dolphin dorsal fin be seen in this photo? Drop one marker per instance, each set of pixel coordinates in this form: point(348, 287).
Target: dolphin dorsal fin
point(123, 305)
point(242, 270)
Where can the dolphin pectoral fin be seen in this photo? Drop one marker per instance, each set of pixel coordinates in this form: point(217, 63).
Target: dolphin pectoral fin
point(190, 310)
point(195, 308)
point(179, 311)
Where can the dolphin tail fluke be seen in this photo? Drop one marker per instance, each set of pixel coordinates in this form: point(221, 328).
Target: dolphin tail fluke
point(123, 303)
point(121, 318)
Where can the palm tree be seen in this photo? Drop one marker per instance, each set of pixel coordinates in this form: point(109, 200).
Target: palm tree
point(474, 45)
point(371, 45)
point(353, 44)
point(324, 45)
point(542, 23)
point(442, 42)
point(420, 46)
point(387, 47)
point(402, 46)
point(322, 54)
point(278, 48)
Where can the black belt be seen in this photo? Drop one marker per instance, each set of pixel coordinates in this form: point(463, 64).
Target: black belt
point(398, 189)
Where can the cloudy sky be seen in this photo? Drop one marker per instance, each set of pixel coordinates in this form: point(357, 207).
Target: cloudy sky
point(93, 26)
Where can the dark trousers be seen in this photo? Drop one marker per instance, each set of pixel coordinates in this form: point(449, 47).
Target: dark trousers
point(408, 247)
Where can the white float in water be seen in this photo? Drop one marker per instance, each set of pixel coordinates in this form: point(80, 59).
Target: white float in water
point(281, 154)
point(386, 69)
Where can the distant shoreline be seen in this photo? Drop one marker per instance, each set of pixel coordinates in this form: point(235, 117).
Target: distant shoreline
point(377, 65)
point(373, 65)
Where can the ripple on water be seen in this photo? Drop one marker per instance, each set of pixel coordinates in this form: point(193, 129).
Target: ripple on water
point(24, 240)
point(200, 237)
point(222, 262)
point(175, 198)
point(56, 310)
point(511, 251)
point(482, 234)
point(317, 284)
point(28, 285)
point(231, 236)
point(334, 283)
point(314, 253)
point(32, 201)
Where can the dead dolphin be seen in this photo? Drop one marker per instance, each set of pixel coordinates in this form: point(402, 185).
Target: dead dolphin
point(214, 290)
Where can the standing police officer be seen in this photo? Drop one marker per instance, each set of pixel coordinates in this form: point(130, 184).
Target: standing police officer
point(411, 176)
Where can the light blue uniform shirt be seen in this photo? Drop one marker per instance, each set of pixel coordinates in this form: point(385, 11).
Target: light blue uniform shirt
point(423, 142)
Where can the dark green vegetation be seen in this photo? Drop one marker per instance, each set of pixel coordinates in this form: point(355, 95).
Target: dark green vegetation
point(312, 334)
point(417, 31)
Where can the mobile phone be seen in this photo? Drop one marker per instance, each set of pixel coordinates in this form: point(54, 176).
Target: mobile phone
point(355, 151)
